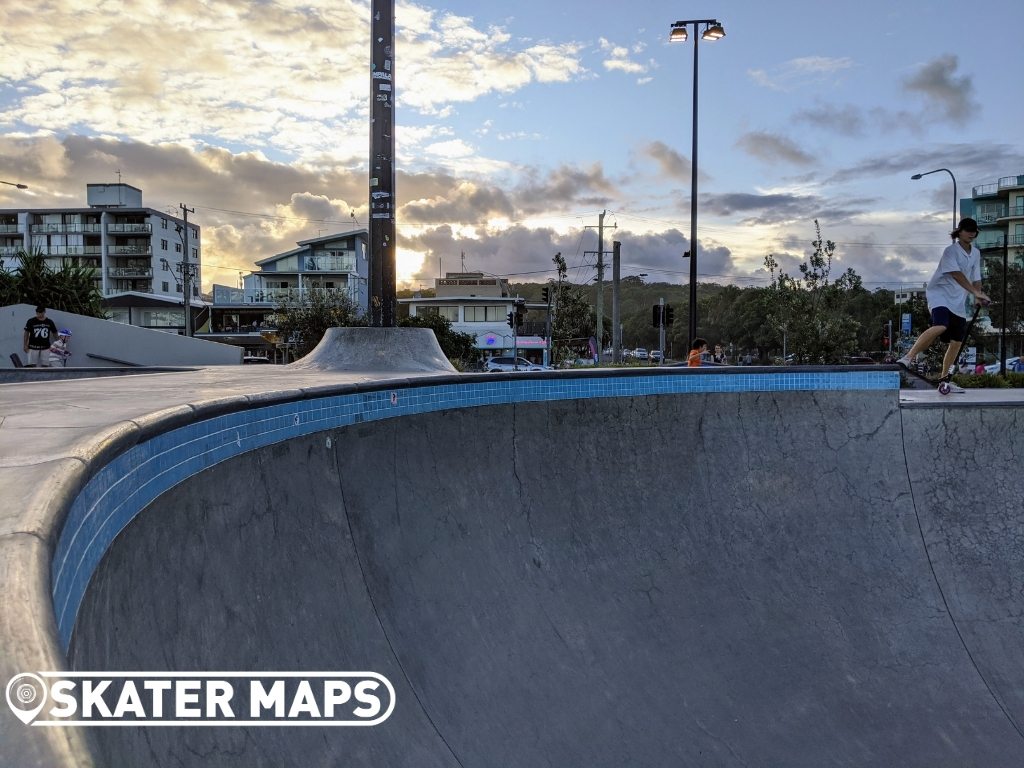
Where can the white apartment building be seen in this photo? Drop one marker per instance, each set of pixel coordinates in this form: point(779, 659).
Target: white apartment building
point(135, 252)
point(479, 305)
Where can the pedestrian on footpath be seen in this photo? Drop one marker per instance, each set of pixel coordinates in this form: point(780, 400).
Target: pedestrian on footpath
point(697, 348)
point(958, 274)
point(39, 334)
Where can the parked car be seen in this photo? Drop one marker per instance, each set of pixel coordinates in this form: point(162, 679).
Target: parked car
point(640, 353)
point(510, 364)
point(256, 360)
point(657, 356)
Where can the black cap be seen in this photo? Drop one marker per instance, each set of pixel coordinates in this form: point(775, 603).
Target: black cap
point(40, 308)
point(968, 224)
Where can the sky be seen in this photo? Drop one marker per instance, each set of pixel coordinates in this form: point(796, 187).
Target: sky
point(517, 124)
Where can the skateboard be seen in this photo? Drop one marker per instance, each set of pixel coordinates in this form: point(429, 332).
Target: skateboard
point(943, 384)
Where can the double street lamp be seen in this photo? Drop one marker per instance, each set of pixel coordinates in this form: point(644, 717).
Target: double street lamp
point(712, 31)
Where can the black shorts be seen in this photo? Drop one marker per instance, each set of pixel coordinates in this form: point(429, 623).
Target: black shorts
point(956, 326)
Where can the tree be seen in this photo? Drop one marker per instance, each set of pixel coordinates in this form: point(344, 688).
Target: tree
point(812, 311)
point(68, 289)
point(573, 321)
point(457, 346)
point(305, 321)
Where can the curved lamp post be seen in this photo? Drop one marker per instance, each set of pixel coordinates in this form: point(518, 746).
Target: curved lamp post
point(14, 184)
point(712, 31)
point(917, 176)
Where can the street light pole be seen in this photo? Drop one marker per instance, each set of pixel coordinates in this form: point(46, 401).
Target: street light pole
point(917, 176)
point(15, 184)
point(713, 31)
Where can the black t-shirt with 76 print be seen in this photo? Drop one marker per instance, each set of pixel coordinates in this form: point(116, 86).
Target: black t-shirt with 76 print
point(39, 332)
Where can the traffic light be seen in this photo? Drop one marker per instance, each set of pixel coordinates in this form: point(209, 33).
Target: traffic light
point(511, 319)
point(545, 295)
point(669, 314)
point(656, 316)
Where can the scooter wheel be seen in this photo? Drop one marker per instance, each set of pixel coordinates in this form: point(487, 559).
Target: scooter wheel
point(944, 388)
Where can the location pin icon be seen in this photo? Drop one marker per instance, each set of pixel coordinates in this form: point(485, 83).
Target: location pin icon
point(23, 691)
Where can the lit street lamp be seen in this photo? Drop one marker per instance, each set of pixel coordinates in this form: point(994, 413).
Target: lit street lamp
point(712, 31)
point(917, 176)
point(13, 184)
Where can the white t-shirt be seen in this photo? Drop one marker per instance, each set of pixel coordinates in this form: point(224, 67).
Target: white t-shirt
point(943, 290)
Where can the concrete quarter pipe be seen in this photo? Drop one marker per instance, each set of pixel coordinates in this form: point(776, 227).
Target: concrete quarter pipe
point(731, 578)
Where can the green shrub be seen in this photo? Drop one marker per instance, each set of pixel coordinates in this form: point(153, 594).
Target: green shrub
point(982, 381)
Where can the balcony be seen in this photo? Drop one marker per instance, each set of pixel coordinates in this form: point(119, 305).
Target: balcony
point(9, 250)
point(1008, 182)
point(64, 229)
point(131, 250)
point(115, 291)
point(72, 250)
point(1012, 211)
point(989, 214)
point(990, 240)
point(122, 228)
point(9, 229)
point(129, 272)
point(985, 190)
point(226, 296)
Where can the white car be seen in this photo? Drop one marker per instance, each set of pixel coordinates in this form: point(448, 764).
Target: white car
point(640, 353)
point(508, 364)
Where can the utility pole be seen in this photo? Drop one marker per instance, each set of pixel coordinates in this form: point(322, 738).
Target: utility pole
point(616, 309)
point(600, 287)
point(382, 166)
point(186, 270)
point(547, 335)
point(661, 329)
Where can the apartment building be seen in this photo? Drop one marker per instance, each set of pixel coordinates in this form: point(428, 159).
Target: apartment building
point(244, 316)
point(999, 210)
point(135, 252)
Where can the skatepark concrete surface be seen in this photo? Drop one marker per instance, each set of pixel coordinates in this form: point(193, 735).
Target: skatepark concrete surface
point(803, 577)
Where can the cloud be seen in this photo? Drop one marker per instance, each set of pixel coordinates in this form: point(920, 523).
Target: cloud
point(948, 97)
point(670, 162)
point(565, 186)
point(976, 163)
point(619, 58)
point(465, 202)
point(525, 253)
point(783, 207)
point(800, 72)
point(288, 80)
point(847, 120)
point(772, 148)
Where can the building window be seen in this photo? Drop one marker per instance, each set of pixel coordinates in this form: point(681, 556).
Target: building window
point(195, 253)
point(163, 318)
point(449, 313)
point(177, 247)
point(484, 314)
point(163, 225)
point(195, 291)
point(119, 314)
point(163, 245)
point(179, 288)
point(195, 234)
point(165, 288)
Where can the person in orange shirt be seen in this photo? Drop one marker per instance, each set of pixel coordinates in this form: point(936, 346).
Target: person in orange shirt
point(698, 348)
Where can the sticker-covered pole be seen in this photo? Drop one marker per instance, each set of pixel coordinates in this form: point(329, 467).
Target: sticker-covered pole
point(382, 166)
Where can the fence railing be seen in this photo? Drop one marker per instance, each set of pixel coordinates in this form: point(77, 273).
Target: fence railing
point(129, 271)
point(9, 229)
point(225, 295)
point(122, 228)
point(985, 189)
point(1011, 181)
point(132, 250)
point(62, 229)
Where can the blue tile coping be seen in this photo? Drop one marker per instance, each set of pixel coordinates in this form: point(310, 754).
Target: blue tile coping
point(122, 488)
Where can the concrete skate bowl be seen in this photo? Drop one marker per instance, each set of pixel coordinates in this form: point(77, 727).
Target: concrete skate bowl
point(717, 578)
